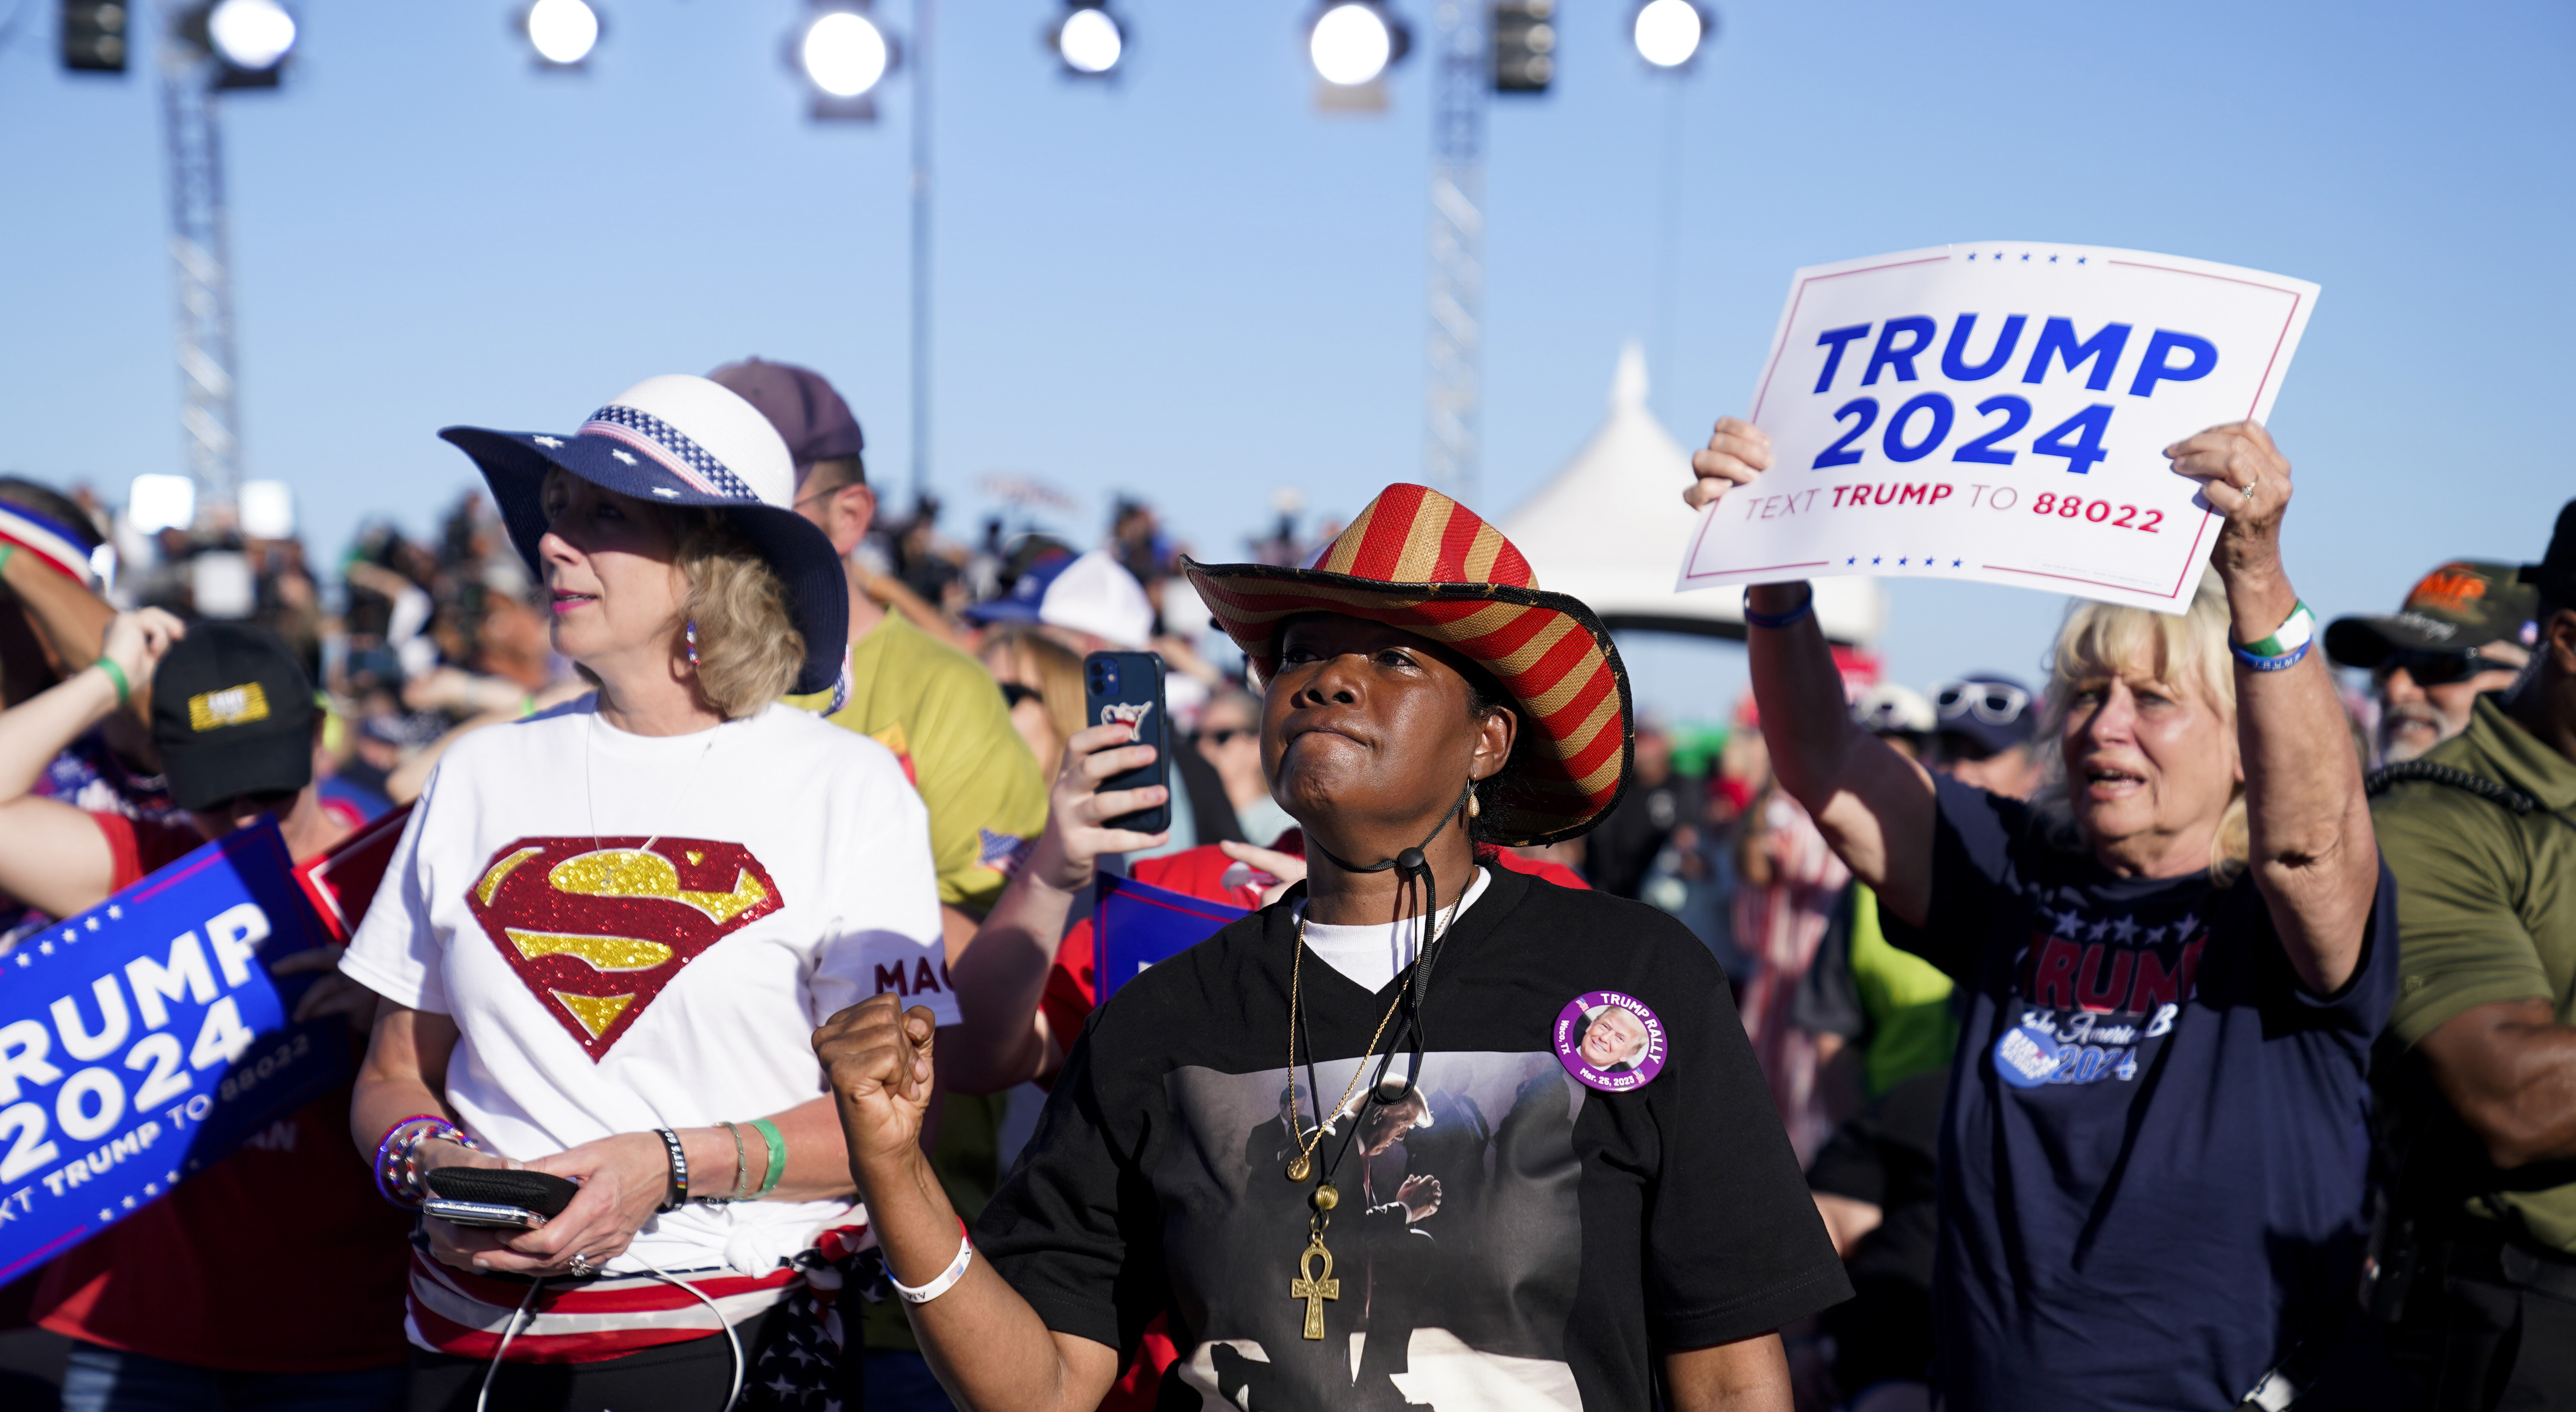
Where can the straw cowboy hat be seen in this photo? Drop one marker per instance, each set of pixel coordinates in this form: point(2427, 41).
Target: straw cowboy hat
point(1417, 560)
point(681, 440)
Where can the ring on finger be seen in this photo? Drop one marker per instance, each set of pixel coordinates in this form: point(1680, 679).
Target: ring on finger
point(2251, 486)
point(580, 1264)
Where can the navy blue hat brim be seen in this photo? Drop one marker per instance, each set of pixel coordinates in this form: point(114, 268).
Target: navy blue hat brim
point(514, 465)
point(1002, 610)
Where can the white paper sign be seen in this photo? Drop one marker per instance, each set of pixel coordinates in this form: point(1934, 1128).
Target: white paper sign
point(1999, 412)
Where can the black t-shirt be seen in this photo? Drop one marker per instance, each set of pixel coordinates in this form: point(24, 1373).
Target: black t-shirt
point(2154, 1152)
point(1577, 1231)
point(1887, 1155)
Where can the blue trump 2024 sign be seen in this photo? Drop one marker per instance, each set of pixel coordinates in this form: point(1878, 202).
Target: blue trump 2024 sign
point(144, 1039)
point(1134, 925)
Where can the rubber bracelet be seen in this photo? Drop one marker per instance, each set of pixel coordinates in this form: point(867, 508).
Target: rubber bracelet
point(741, 1164)
point(1806, 609)
point(777, 1167)
point(679, 1194)
point(116, 674)
point(5, 551)
point(2296, 631)
point(2281, 663)
point(947, 1279)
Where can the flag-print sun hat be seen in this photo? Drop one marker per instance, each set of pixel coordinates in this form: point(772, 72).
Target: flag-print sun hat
point(681, 440)
point(1417, 560)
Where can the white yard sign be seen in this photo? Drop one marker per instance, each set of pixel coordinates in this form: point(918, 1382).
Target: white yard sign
point(1999, 412)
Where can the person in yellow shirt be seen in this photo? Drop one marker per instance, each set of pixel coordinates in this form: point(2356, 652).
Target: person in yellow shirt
point(938, 710)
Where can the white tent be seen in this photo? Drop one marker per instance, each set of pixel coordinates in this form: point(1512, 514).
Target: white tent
point(1611, 529)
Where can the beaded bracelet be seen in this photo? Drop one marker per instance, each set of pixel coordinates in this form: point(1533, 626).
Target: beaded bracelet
point(396, 1166)
point(741, 1166)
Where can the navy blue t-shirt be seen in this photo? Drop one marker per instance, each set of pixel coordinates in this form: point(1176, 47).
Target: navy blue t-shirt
point(2153, 1157)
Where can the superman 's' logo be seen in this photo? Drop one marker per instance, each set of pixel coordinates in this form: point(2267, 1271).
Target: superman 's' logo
point(597, 926)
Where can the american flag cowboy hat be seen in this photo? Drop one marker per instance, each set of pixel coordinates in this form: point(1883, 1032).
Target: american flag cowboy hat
point(681, 440)
point(1417, 560)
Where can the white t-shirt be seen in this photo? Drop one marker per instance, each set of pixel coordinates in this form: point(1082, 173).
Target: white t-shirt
point(634, 932)
point(1371, 955)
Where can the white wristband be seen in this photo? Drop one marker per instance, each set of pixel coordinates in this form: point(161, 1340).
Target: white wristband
point(946, 1279)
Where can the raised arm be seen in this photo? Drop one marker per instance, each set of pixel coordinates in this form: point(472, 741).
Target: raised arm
point(1873, 805)
point(50, 857)
point(2314, 857)
point(989, 1349)
point(1002, 1038)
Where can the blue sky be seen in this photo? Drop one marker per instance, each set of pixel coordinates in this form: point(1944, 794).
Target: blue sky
point(1191, 285)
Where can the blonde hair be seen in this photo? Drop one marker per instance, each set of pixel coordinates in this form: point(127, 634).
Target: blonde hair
point(1058, 673)
point(749, 652)
point(2188, 650)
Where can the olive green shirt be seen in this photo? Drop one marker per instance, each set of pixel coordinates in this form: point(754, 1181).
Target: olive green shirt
point(2486, 905)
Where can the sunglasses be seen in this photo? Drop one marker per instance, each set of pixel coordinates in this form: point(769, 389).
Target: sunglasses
point(1224, 736)
point(2438, 668)
point(1990, 702)
point(1013, 694)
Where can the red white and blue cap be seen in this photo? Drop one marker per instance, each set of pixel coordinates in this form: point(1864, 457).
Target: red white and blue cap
point(682, 440)
point(66, 549)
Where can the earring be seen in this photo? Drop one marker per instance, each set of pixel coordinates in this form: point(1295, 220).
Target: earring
point(1475, 805)
point(693, 642)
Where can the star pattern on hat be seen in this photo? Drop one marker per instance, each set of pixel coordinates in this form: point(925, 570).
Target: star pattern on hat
point(551, 443)
point(673, 448)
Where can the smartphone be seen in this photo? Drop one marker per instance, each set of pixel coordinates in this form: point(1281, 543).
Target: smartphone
point(1128, 686)
point(494, 1198)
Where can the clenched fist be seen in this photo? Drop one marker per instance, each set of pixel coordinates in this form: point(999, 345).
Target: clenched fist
point(876, 1056)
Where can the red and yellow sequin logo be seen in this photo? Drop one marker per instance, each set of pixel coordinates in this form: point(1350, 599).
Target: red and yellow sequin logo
point(597, 926)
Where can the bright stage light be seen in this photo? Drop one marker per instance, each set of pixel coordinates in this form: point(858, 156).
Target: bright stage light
point(563, 31)
point(844, 54)
point(1090, 41)
point(252, 35)
point(1668, 32)
point(1351, 44)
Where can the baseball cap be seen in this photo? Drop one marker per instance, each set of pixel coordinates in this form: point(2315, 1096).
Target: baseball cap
point(2464, 604)
point(2554, 577)
point(1090, 593)
point(1889, 709)
point(1988, 708)
point(811, 418)
point(232, 713)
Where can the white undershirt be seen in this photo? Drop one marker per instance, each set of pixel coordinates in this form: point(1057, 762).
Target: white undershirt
point(1371, 955)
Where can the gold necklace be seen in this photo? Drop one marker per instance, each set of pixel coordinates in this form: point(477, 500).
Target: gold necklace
point(1302, 1166)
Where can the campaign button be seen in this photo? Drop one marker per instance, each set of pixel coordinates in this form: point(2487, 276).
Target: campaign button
point(2027, 1057)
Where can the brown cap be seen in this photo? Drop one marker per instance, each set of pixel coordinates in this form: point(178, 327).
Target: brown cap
point(2462, 605)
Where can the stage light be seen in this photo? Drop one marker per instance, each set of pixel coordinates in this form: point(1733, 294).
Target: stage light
point(94, 35)
point(1354, 42)
point(563, 32)
point(1090, 40)
point(253, 36)
point(844, 53)
point(1668, 32)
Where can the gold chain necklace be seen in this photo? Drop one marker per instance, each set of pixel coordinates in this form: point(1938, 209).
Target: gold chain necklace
point(1302, 1166)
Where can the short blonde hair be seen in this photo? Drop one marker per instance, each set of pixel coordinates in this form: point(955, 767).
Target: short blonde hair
point(749, 652)
point(2188, 650)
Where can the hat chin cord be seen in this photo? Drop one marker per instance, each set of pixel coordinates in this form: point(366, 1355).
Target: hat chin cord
point(1411, 865)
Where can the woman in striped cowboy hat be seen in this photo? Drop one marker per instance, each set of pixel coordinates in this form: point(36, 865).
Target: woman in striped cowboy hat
point(1355, 1148)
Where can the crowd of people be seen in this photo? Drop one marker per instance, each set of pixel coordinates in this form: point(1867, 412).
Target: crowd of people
point(2172, 1027)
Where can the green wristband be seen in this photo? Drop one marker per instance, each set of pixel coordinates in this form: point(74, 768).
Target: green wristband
point(116, 674)
point(777, 1146)
point(5, 551)
point(2295, 632)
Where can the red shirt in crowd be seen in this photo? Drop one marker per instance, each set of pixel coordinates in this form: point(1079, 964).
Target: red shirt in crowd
point(1197, 872)
point(279, 1259)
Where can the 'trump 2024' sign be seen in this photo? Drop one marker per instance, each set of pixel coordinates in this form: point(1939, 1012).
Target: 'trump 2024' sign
point(1999, 412)
point(144, 1039)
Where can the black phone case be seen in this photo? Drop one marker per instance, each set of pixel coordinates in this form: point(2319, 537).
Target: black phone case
point(1128, 686)
point(541, 1192)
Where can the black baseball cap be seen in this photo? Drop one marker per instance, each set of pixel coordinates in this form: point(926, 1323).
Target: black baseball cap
point(233, 714)
point(2459, 607)
point(2554, 577)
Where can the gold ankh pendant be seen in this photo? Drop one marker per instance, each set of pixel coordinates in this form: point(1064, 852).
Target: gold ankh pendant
point(1313, 1286)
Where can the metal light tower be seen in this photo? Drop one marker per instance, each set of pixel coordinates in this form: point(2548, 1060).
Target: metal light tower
point(1457, 336)
point(201, 265)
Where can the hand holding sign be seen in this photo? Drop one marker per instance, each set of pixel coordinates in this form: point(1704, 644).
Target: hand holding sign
point(1995, 412)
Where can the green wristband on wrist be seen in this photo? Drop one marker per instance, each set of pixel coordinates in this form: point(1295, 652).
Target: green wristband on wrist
point(116, 674)
point(777, 1146)
point(2295, 632)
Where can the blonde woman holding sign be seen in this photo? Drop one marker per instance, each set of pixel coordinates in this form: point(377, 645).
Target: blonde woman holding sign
point(2174, 961)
